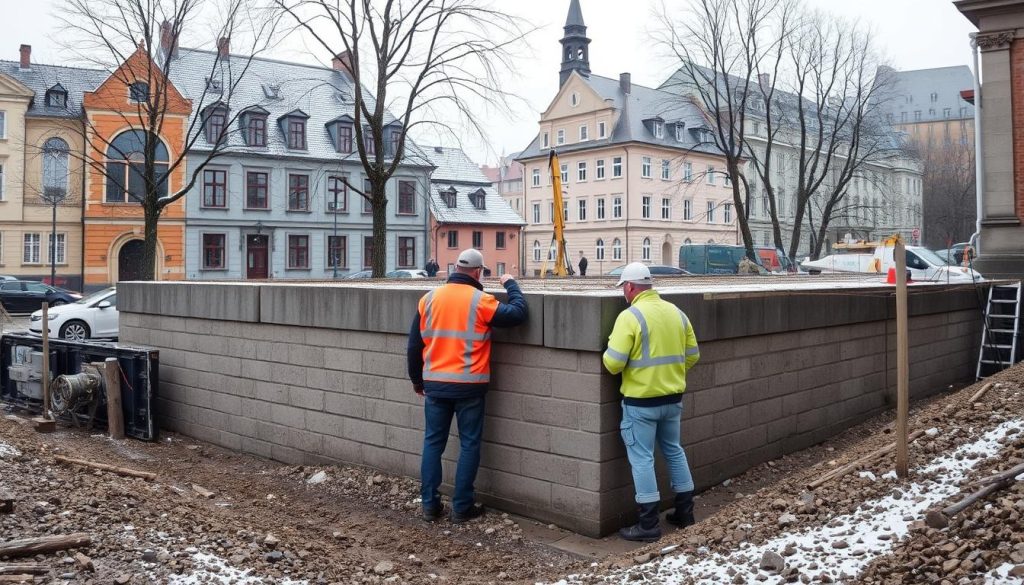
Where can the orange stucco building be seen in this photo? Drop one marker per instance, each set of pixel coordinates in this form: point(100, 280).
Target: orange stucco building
point(113, 219)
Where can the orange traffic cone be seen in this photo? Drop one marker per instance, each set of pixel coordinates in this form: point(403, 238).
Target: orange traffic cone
point(891, 277)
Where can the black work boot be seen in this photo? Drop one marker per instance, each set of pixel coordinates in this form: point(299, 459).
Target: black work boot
point(682, 516)
point(647, 529)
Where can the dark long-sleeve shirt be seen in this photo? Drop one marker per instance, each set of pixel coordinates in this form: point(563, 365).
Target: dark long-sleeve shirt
point(510, 314)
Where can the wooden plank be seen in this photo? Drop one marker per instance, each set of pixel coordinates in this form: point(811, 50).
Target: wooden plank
point(27, 547)
point(850, 467)
point(105, 467)
point(112, 382)
point(23, 569)
point(902, 361)
point(45, 379)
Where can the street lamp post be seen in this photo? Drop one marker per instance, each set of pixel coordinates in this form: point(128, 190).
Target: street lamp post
point(53, 246)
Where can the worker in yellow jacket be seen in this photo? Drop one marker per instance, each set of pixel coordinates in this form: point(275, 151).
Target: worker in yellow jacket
point(652, 346)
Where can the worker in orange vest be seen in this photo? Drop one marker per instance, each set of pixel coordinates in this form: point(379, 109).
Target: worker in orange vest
point(449, 355)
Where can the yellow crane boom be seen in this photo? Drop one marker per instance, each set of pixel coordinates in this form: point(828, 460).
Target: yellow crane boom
point(563, 267)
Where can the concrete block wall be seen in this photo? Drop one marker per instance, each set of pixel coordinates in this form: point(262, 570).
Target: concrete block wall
point(280, 376)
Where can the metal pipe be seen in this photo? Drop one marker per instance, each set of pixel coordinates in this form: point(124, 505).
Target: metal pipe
point(979, 159)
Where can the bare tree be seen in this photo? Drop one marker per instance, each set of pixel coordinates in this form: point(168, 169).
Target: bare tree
point(132, 40)
point(425, 61)
point(789, 95)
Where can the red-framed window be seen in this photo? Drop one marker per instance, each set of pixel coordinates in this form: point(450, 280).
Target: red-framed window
point(345, 142)
point(215, 188)
point(406, 198)
point(337, 251)
point(298, 251)
point(296, 134)
point(298, 192)
point(367, 252)
point(337, 195)
point(213, 251)
point(256, 185)
point(406, 252)
point(257, 131)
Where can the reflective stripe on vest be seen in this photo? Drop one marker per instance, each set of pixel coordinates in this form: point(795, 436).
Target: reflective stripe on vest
point(645, 345)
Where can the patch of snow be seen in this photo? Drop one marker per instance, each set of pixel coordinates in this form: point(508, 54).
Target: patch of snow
point(1001, 576)
point(868, 475)
point(222, 573)
point(8, 451)
point(318, 478)
point(932, 432)
point(890, 475)
point(882, 517)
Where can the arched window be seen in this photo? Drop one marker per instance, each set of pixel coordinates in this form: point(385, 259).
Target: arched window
point(600, 249)
point(126, 164)
point(688, 241)
point(536, 251)
point(55, 170)
point(645, 249)
point(711, 241)
point(616, 249)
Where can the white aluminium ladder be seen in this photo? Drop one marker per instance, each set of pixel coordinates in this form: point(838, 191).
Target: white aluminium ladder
point(1000, 337)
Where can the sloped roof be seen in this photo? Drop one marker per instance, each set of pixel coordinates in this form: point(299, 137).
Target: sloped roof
point(323, 93)
point(640, 104)
point(454, 170)
point(40, 78)
point(912, 91)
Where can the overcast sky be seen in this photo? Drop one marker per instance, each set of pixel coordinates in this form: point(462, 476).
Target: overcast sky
point(915, 34)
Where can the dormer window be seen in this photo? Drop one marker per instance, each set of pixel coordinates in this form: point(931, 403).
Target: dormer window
point(293, 124)
point(394, 140)
point(212, 84)
point(216, 124)
point(138, 92)
point(479, 199)
point(272, 91)
point(368, 142)
point(57, 97)
point(449, 197)
point(256, 130)
point(346, 137)
point(680, 126)
point(659, 129)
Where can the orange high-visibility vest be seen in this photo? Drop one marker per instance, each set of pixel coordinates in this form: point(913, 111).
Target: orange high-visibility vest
point(455, 325)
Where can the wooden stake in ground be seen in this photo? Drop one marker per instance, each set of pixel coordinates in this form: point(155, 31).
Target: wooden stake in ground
point(851, 467)
point(902, 360)
point(112, 382)
point(105, 467)
point(45, 378)
point(27, 547)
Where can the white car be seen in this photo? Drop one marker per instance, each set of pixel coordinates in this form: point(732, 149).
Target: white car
point(95, 316)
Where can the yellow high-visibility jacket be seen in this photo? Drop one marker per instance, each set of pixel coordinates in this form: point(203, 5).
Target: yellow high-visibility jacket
point(653, 346)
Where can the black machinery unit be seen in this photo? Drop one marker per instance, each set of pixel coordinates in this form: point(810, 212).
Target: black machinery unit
point(80, 394)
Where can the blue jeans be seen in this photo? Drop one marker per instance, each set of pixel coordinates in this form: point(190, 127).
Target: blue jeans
point(641, 428)
point(469, 415)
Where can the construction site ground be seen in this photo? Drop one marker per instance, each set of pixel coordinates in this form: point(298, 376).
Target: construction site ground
point(214, 516)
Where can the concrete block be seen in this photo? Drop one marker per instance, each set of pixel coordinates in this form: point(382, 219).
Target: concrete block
point(581, 387)
point(271, 392)
point(306, 398)
point(698, 428)
point(551, 412)
point(306, 355)
point(500, 457)
point(504, 404)
point(749, 391)
point(345, 450)
point(525, 490)
point(523, 379)
point(391, 413)
point(765, 410)
point(405, 440)
point(364, 385)
point(288, 416)
point(384, 364)
point(383, 458)
point(325, 423)
point(365, 431)
point(577, 444)
point(599, 418)
point(732, 371)
point(226, 403)
point(576, 322)
point(288, 374)
point(330, 380)
point(711, 400)
point(348, 360)
point(733, 419)
point(345, 405)
point(517, 434)
point(576, 501)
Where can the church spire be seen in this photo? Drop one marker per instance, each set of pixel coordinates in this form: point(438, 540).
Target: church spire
point(575, 45)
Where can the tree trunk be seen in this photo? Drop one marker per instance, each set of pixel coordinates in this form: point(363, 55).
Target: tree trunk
point(741, 218)
point(379, 261)
point(149, 251)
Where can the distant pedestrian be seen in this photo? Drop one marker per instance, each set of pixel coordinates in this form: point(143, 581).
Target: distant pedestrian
point(653, 346)
point(583, 264)
point(449, 355)
point(431, 268)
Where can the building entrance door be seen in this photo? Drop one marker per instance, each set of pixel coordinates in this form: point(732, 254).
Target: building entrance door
point(257, 252)
point(129, 260)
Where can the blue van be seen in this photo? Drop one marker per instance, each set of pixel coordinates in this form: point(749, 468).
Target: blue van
point(711, 258)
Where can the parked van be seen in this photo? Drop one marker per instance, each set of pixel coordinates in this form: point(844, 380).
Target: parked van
point(711, 258)
point(774, 259)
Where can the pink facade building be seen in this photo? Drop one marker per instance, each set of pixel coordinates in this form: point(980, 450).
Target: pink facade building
point(467, 211)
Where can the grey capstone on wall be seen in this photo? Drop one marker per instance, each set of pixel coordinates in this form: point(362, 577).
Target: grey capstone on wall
point(315, 374)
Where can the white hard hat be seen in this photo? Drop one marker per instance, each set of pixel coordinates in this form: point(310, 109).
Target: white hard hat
point(471, 258)
point(637, 273)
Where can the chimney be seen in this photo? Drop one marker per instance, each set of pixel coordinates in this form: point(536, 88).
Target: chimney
point(26, 57)
point(223, 47)
point(626, 83)
point(168, 42)
point(343, 62)
point(765, 79)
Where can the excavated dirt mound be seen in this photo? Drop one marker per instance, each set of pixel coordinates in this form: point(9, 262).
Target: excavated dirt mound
point(213, 516)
